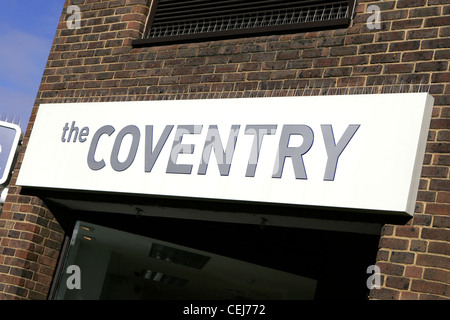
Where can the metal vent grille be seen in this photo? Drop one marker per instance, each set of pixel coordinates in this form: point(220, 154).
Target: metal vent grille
point(187, 20)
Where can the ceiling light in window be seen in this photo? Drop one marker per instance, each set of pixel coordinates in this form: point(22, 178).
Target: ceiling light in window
point(87, 228)
point(178, 256)
point(163, 278)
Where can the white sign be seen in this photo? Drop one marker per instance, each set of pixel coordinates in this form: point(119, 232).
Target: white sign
point(10, 136)
point(356, 152)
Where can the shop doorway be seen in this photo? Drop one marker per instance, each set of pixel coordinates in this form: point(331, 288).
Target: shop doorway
point(106, 264)
point(117, 252)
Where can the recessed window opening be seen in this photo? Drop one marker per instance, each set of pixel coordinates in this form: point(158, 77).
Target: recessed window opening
point(115, 265)
point(189, 20)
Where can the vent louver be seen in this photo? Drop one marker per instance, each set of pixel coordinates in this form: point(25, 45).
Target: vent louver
point(189, 20)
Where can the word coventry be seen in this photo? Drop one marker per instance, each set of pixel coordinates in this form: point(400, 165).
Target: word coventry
point(212, 143)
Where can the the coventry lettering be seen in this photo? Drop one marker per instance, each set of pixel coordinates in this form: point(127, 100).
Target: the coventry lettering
point(73, 133)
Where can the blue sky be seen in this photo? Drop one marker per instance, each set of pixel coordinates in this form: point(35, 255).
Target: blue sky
point(27, 29)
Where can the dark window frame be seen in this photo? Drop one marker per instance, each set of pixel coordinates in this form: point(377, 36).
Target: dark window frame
point(340, 22)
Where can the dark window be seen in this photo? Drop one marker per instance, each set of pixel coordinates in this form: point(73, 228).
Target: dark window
point(172, 21)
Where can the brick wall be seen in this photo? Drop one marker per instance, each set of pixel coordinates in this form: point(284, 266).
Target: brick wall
point(97, 63)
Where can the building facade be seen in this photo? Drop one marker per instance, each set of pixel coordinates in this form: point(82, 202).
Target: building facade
point(108, 58)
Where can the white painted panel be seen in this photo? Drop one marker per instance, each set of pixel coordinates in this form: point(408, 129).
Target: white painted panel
point(379, 168)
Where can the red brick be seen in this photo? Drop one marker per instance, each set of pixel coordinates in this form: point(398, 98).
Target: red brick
point(329, 41)
point(430, 287)
point(440, 147)
point(384, 294)
point(27, 227)
point(355, 60)
point(439, 247)
point(387, 230)
point(425, 12)
point(418, 246)
point(359, 39)
point(431, 260)
point(413, 272)
point(435, 208)
point(337, 72)
point(390, 36)
point(411, 3)
point(314, 53)
point(287, 55)
point(373, 48)
point(417, 56)
point(406, 295)
point(386, 58)
point(342, 51)
point(445, 32)
point(393, 243)
point(402, 257)
point(401, 283)
point(435, 44)
point(441, 221)
point(431, 66)
point(404, 46)
point(422, 34)
point(310, 73)
point(428, 196)
point(398, 68)
point(391, 268)
point(436, 21)
point(278, 65)
point(437, 275)
point(407, 24)
point(407, 231)
point(444, 135)
point(436, 172)
point(382, 255)
point(442, 54)
point(325, 62)
point(436, 234)
point(350, 82)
